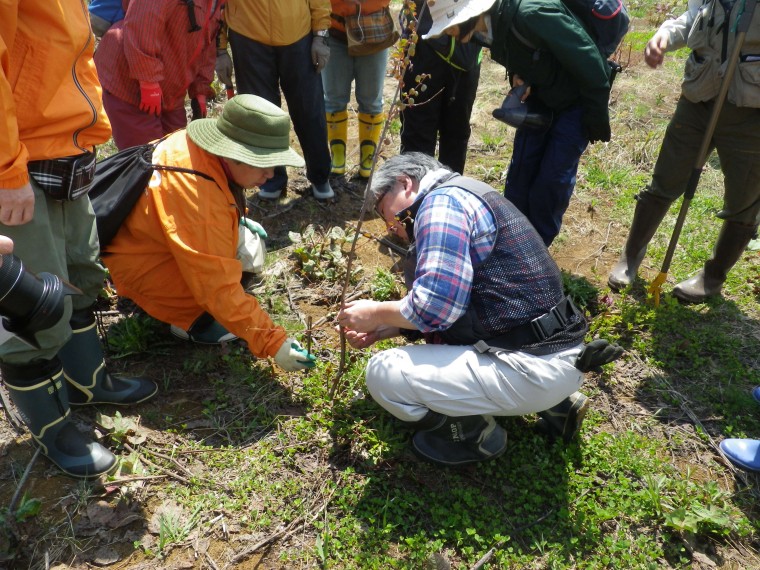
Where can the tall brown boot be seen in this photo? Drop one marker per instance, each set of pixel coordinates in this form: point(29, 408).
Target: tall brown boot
point(708, 282)
point(649, 213)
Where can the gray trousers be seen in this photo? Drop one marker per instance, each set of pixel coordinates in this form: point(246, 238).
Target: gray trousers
point(460, 381)
point(61, 239)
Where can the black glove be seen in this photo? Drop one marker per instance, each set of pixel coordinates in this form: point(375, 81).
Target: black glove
point(596, 126)
point(595, 354)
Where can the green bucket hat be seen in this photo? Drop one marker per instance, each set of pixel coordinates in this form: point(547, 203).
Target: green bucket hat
point(251, 130)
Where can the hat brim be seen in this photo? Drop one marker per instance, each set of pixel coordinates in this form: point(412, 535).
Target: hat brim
point(206, 135)
point(475, 8)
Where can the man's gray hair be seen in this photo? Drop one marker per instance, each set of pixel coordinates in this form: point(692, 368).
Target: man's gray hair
point(412, 164)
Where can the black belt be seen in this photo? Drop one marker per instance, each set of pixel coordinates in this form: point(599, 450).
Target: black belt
point(536, 330)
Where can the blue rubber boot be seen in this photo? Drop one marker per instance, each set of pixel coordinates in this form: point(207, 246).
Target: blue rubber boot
point(742, 452)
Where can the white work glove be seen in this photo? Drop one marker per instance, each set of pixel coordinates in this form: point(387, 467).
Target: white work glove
point(224, 67)
point(251, 250)
point(320, 53)
point(292, 356)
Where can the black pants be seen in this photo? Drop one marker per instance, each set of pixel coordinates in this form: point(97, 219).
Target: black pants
point(262, 70)
point(445, 116)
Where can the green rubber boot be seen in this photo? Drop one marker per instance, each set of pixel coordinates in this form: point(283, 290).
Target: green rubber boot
point(708, 282)
point(38, 390)
point(85, 369)
point(649, 213)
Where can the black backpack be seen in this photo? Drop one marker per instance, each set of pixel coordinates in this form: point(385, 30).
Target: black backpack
point(119, 181)
point(606, 21)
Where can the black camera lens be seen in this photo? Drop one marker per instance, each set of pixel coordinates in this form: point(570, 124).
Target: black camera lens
point(30, 303)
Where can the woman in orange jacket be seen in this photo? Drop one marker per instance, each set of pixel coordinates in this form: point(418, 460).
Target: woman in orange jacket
point(175, 255)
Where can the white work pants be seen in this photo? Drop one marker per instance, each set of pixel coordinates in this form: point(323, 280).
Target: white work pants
point(460, 381)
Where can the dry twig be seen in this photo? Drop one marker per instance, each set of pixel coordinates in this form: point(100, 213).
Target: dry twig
point(284, 533)
point(393, 111)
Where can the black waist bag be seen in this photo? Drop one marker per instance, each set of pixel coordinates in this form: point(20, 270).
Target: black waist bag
point(119, 181)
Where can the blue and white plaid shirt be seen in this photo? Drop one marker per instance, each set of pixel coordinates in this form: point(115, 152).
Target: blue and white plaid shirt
point(454, 231)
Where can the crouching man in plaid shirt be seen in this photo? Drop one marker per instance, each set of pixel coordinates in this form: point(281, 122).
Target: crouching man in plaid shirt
point(502, 338)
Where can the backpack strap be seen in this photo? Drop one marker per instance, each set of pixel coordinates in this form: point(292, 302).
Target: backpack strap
point(185, 170)
point(194, 27)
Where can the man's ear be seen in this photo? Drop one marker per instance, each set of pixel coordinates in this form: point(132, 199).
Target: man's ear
point(410, 186)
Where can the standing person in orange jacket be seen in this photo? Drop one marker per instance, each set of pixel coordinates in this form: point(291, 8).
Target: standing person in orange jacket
point(175, 254)
point(148, 61)
point(52, 119)
point(368, 72)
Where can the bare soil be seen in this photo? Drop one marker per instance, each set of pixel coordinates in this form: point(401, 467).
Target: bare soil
point(107, 525)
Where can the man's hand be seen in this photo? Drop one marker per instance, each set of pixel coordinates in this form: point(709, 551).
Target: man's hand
point(654, 52)
point(517, 81)
point(16, 205)
point(6, 245)
point(150, 98)
point(363, 340)
point(360, 316)
point(320, 53)
point(224, 67)
point(292, 356)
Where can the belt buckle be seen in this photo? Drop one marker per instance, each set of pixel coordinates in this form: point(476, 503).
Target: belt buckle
point(537, 327)
point(559, 315)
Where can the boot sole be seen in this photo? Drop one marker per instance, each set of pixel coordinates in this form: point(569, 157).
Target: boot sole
point(462, 462)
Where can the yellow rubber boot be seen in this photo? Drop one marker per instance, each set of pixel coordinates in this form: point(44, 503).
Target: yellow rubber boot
point(337, 135)
point(370, 128)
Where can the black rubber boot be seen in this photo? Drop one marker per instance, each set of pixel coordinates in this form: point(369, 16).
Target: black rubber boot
point(458, 441)
point(708, 282)
point(649, 213)
point(85, 369)
point(565, 419)
point(39, 393)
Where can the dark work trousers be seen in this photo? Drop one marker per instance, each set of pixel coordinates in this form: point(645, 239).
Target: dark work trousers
point(445, 114)
point(541, 174)
point(262, 70)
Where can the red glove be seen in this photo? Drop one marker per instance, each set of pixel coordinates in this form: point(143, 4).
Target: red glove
point(202, 105)
point(150, 98)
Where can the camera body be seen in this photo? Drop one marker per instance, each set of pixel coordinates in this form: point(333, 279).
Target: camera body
point(30, 303)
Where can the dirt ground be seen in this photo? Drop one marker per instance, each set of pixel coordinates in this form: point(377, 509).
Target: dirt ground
point(589, 246)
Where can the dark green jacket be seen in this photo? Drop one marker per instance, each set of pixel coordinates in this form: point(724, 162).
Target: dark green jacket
point(543, 43)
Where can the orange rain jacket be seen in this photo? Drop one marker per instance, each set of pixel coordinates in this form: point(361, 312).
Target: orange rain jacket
point(342, 8)
point(175, 255)
point(49, 89)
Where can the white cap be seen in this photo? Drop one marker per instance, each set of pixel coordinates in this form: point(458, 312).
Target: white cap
point(447, 13)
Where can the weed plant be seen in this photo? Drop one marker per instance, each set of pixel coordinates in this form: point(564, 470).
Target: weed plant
point(335, 483)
